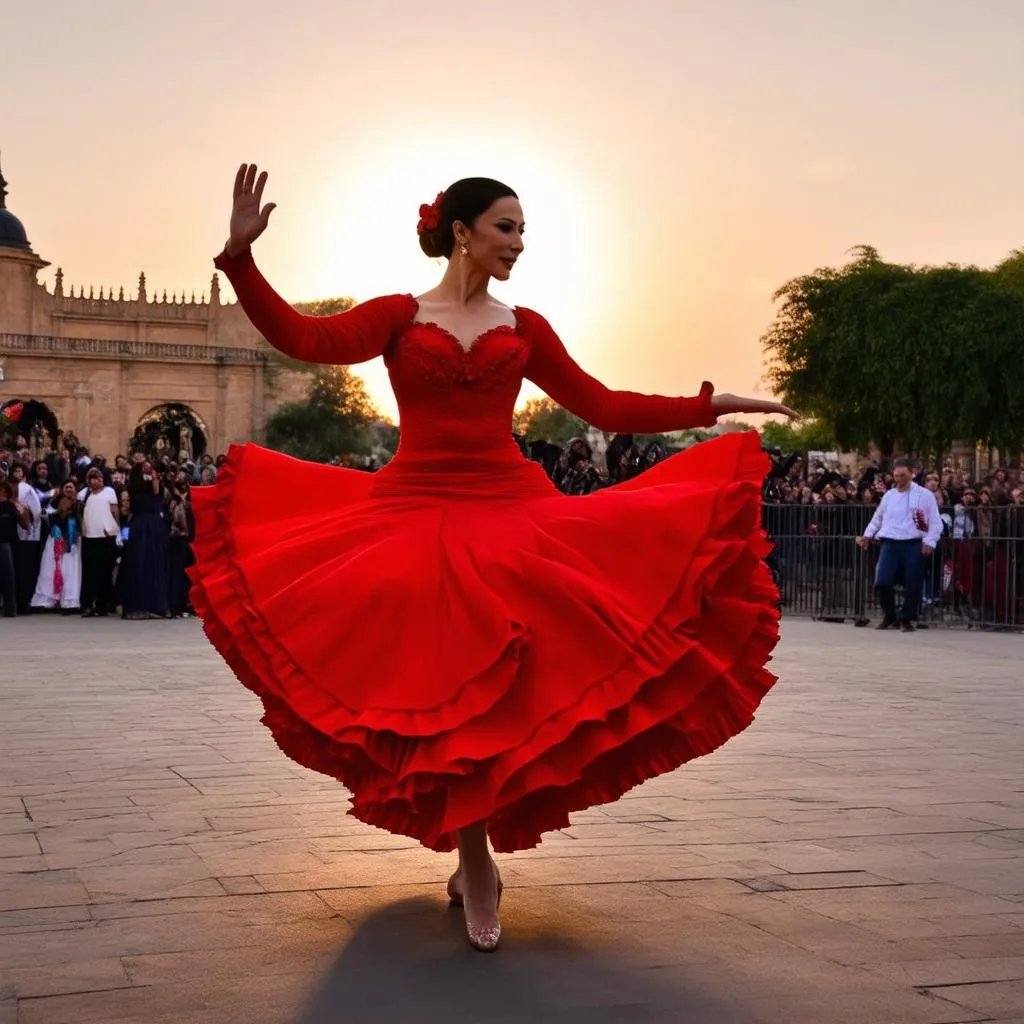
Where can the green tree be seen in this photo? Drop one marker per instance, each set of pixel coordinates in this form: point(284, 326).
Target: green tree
point(338, 416)
point(543, 419)
point(341, 391)
point(312, 432)
point(385, 436)
point(1010, 273)
point(808, 435)
point(906, 357)
point(336, 419)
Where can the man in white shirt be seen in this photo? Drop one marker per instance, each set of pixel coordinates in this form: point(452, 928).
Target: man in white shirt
point(100, 527)
point(908, 525)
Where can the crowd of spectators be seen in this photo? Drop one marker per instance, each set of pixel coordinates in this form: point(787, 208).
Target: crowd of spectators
point(575, 468)
point(79, 535)
point(792, 482)
point(813, 512)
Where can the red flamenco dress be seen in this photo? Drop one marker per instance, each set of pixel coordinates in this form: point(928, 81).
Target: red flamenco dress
point(451, 637)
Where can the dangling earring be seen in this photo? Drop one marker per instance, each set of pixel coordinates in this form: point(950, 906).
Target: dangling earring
point(463, 250)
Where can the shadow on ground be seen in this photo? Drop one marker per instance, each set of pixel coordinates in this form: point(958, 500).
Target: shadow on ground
point(409, 962)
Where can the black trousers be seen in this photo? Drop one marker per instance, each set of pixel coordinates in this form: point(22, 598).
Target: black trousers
point(26, 572)
point(8, 590)
point(98, 557)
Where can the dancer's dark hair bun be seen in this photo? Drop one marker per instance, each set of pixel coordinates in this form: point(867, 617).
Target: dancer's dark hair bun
point(431, 243)
point(464, 201)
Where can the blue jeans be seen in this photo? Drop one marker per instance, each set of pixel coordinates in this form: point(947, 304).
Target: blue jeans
point(901, 561)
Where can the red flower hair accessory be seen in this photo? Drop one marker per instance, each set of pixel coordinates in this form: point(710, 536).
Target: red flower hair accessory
point(430, 215)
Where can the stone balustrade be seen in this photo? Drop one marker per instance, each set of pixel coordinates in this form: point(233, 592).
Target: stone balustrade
point(109, 348)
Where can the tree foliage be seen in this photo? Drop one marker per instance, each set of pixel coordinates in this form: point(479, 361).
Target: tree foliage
point(338, 416)
point(385, 437)
point(341, 391)
point(909, 358)
point(806, 436)
point(1010, 273)
point(543, 419)
point(335, 420)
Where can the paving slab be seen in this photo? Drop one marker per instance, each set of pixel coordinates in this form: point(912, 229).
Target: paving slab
point(855, 857)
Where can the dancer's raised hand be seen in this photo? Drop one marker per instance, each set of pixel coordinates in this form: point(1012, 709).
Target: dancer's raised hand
point(248, 220)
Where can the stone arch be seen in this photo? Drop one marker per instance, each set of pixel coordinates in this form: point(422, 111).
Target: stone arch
point(169, 429)
point(37, 423)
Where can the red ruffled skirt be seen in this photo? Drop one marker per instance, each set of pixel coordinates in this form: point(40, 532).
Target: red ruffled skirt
point(458, 650)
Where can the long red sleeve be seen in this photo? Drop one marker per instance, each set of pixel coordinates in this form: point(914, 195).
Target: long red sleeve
point(354, 336)
point(551, 368)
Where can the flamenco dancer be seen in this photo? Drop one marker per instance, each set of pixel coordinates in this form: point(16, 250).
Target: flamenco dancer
point(471, 653)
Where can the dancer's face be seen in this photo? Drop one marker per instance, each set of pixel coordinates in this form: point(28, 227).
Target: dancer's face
point(495, 241)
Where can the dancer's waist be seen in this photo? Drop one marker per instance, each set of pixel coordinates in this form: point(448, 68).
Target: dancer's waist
point(492, 473)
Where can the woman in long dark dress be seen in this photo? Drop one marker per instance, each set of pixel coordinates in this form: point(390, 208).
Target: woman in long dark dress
point(144, 572)
point(12, 515)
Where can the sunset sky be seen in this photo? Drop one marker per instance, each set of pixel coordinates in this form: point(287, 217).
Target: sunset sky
point(677, 159)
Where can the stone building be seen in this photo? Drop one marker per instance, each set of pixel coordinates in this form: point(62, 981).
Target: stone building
point(176, 372)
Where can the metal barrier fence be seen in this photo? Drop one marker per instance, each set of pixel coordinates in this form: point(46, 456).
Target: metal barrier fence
point(974, 579)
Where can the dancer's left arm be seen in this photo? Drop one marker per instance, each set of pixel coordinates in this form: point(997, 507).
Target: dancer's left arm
point(551, 368)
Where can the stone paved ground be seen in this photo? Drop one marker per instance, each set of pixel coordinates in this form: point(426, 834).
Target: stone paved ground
point(856, 856)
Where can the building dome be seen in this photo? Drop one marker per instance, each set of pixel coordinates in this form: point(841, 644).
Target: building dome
point(12, 231)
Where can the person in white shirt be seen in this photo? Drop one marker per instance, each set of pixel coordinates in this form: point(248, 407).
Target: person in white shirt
point(908, 524)
point(27, 551)
point(100, 528)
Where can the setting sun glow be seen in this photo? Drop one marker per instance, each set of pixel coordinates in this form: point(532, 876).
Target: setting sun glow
point(676, 161)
